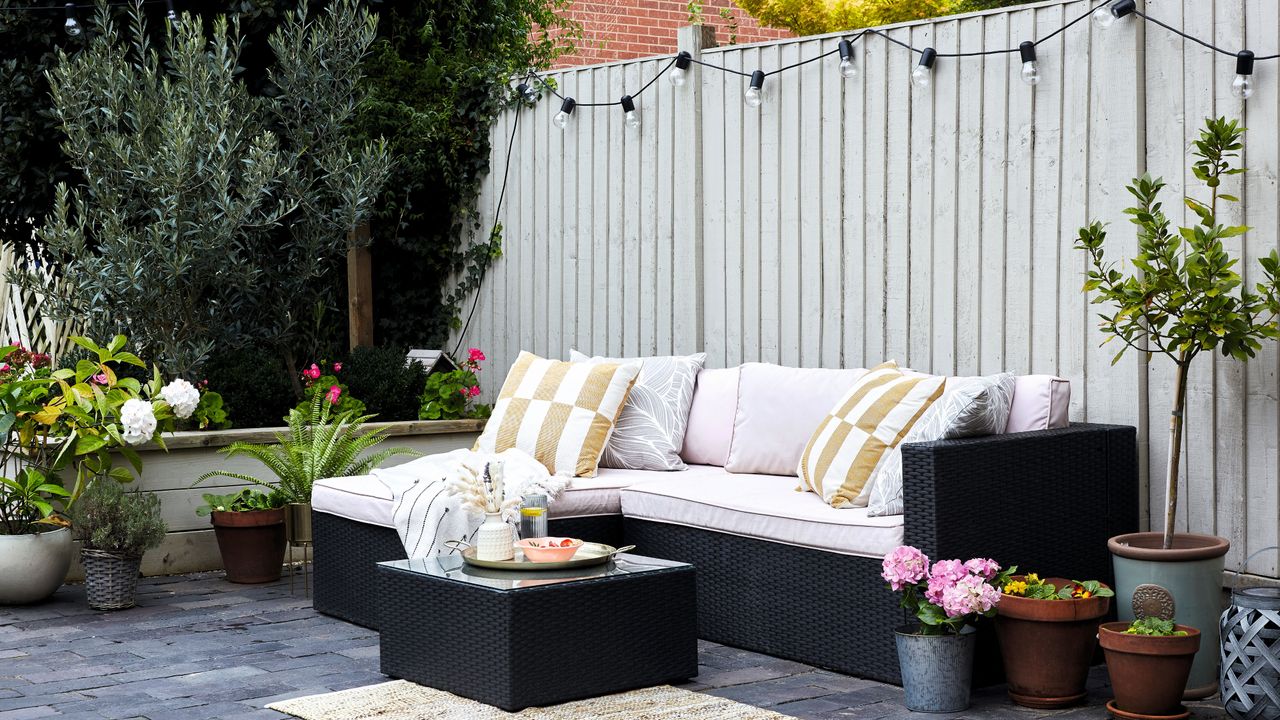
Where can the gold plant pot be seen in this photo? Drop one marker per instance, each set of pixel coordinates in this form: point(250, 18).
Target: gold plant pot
point(297, 523)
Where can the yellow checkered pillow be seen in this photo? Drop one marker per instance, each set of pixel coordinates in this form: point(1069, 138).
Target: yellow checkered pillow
point(870, 420)
point(560, 413)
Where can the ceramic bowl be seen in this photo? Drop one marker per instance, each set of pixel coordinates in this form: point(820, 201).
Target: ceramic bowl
point(547, 549)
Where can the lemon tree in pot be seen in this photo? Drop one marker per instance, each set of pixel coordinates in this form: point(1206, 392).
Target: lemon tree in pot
point(1183, 298)
point(249, 527)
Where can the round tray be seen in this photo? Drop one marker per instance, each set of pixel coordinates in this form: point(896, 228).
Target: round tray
point(589, 554)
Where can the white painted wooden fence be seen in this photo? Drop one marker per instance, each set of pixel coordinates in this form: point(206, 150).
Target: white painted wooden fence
point(23, 321)
point(846, 222)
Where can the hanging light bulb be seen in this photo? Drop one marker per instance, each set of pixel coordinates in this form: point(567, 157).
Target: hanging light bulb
point(847, 68)
point(1030, 67)
point(680, 73)
point(629, 112)
point(72, 26)
point(1242, 86)
point(171, 16)
point(526, 93)
point(922, 76)
point(752, 96)
point(566, 109)
point(1106, 15)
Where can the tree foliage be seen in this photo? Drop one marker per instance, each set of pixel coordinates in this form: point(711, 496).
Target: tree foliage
point(208, 217)
point(813, 17)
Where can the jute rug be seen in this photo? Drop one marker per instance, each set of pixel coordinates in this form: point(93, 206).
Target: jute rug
point(403, 700)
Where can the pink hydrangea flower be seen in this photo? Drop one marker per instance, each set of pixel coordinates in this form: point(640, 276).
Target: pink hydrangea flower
point(475, 355)
point(904, 566)
point(943, 575)
point(337, 367)
point(970, 594)
point(985, 567)
point(334, 393)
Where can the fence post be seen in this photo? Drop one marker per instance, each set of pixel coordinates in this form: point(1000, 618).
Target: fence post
point(687, 322)
point(359, 288)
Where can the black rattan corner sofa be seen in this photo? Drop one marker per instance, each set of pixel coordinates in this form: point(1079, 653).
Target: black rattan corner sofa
point(1044, 500)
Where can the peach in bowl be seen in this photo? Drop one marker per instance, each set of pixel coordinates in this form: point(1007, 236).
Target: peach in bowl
point(549, 549)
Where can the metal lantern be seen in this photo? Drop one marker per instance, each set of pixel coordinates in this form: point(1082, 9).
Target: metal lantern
point(1250, 653)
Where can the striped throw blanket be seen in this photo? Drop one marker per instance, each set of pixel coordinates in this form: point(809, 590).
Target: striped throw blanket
point(426, 516)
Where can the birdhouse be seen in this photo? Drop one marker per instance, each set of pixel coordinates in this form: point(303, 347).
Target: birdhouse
point(433, 360)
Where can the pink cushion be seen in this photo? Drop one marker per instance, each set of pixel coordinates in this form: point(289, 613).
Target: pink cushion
point(709, 431)
point(1039, 403)
point(779, 408)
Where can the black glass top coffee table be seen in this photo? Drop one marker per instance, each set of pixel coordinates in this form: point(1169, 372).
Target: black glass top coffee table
point(519, 639)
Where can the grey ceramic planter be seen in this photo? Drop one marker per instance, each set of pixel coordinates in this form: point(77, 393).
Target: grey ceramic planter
point(33, 566)
point(937, 670)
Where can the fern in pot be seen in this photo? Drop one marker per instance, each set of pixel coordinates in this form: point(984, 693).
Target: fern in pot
point(1184, 297)
point(317, 444)
point(116, 528)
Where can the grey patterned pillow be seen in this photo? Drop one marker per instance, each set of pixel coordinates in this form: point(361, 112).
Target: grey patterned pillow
point(650, 431)
point(978, 406)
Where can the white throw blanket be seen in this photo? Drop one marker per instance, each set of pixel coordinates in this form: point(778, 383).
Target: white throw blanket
point(426, 516)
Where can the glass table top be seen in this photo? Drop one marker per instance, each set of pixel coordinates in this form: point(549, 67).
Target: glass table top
point(452, 567)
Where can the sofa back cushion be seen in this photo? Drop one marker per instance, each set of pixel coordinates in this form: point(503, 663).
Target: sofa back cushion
point(651, 428)
point(709, 431)
point(778, 410)
point(1040, 402)
point(862, 430)
point(560, 413)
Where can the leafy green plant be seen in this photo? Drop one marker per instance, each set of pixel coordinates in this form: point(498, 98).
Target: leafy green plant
point(243, 501)
point(813, 17)
point(387, 384)
point(26, 501)
point(1185, 295)
point(109, 519)
point(256, 390)
point(451, 395)
point(730, 25)
point(1034, 588)
point(317, 445)
point(1154, 627)
point(211, 413)
point(332, 391)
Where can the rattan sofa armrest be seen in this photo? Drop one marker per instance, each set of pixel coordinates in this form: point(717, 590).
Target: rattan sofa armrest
point(1044, 500)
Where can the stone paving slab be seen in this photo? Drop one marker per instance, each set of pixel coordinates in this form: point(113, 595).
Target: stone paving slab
point(199, 647)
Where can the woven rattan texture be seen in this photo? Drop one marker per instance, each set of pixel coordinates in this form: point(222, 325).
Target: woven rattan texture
point(346, 552)
point(110, 580)
point(540, 645)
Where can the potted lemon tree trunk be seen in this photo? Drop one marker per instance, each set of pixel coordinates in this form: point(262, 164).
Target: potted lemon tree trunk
point(1183, 298)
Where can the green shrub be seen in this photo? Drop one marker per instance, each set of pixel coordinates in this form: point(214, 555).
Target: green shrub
point(388, 387)
point(109, 519)
point(256, 391)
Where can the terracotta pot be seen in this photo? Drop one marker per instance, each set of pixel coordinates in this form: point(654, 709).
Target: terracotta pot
point(252, 544)
point(1047, 646)
point(1148, 673)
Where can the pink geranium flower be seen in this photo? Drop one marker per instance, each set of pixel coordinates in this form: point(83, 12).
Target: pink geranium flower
point(334, 393)
point(904, 566)
point(474, 391)
point(475, 355)
point(100, 378)
point(4, 367)
point(464, 392)
point(337, 367)
point(312, 372)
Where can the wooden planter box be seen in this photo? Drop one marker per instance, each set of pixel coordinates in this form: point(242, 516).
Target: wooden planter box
point(190, 545)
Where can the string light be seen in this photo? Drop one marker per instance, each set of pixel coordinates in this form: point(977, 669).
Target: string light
point(629, 112)
point(922, 76)
point(1242, 85)
point(566, 110)
point(1030, 67)
point(72, 26)
point(753, 97)
point(527, 93)
point(680, 73)
point(847, 68)
point(1106, 15)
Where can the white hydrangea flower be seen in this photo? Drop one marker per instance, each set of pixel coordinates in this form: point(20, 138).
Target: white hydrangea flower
point(139, 420)
point(182, 396)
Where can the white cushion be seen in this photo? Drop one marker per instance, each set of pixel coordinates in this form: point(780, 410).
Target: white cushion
point(766, 507)
point(1040, 402)
point(367, 498)
point(709, 432)
point(779, 408)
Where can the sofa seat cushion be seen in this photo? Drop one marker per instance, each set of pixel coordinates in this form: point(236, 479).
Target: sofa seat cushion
point(367, 498)
point(765, 507)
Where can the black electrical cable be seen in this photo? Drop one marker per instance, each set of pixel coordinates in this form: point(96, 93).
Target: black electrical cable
point(61, 7)
point(1194, 39)
point(497, 211)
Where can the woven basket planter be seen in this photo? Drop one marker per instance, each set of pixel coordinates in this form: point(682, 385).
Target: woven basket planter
point(110, 579)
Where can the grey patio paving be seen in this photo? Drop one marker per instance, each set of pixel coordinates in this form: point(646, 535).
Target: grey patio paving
point(200, 647)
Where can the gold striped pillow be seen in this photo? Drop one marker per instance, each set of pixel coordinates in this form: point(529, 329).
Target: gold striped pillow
point(870, 420)
point(560, 413)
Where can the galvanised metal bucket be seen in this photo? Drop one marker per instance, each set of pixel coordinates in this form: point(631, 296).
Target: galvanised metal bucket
point(937, 670)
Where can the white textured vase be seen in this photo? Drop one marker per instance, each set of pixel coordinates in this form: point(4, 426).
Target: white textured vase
point(494, 539)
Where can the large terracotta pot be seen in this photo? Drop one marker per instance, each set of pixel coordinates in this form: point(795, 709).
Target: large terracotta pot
point(1148, 673)
point(252, 544)
point(33, 566)
point(1047, 646)
point(1192, 572)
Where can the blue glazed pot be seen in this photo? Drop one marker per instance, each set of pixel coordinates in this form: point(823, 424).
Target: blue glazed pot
point(937, 670)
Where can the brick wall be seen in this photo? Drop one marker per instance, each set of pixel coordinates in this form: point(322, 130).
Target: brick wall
point(624, 29)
